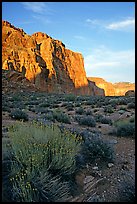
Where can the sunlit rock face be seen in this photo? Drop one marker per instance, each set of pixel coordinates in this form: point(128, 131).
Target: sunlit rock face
point(122, 87)
point(116, 89)
point(45, 62)
point(107, 86)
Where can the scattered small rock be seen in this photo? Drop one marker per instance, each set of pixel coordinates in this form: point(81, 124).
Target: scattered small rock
point(95, 168)
point(110, 165)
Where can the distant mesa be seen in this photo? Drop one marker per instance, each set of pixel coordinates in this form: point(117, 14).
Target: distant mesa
point(114, 89)
point(130, 93)
point(47, 64)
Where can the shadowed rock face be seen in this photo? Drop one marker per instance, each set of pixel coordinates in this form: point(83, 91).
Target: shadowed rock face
point(45, 62)
point(116, 89)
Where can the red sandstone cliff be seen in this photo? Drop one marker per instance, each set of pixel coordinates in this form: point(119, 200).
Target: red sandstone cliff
point(116, 89)
point(45, 62)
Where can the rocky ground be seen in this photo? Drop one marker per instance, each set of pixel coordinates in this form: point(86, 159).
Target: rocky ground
point(98, 182)
point(110, 118)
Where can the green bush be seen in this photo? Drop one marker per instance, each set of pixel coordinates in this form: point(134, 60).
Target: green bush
point(70, 97)
point(88, 121)
point(61, 117)
point(109, 109)
point(94, 148)
point(122, 101)
point(103, 119)
point(19, 115)
point(132, 119)
point(80, 111)
point(40, 156)
point(89, 112)
point(131, 105)
point(125, 129)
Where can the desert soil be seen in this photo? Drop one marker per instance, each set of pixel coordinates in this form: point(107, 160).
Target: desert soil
point(109, 183)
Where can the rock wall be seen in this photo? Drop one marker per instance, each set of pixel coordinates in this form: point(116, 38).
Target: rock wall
point(116, 89)
point(45, 62)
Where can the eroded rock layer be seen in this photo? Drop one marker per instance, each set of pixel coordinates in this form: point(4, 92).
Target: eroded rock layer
point(45, 62)
point(116, 89)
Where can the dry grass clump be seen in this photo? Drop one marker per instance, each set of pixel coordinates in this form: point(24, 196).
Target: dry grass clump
point(39, 158)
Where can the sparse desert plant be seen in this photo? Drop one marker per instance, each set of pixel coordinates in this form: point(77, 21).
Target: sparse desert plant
point(86, 120)
point(127, 191)
point(103, 119)
point(45, 104)
point(122, 101)
point(70, 106)
point(61, 117)
point(6, 108)
point(80, 111)
point(70, 97)
point(131, 105)
point(40, 156)
point(109, 109)
point(88, 112)
point(18, 114)
point(122, 108)
point(95, 149)
point(125, 129)
point(132, 119)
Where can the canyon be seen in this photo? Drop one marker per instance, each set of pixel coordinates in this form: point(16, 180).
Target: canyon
point(48, 65)
point(114, 89)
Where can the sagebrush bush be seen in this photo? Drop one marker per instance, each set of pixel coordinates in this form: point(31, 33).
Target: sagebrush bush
point(122, 101)
point(125, 129)
point(131, 105)
point(61, 117)
point(95, 149)
point(109, 109)
point(86, 120)
point(40, 157)
point(103, 119)
point(80, 111)
point(70, 97)
point(18, 114)
point(127, 191)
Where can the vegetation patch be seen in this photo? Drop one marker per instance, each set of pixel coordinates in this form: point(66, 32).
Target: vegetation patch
point(86, 120)
point(40, 158)
point(19, 115)
point(125, 129)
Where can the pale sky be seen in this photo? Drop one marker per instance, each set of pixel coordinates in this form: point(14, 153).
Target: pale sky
point(104, 32)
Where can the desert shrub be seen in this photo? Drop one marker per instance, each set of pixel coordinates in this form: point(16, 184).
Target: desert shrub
point(41, 110)
point(132, 119)
point(125, 129)
point(6, 108)
point(70, 97)
point(18, 114)
point(109, 109)
point(95, 149)
point(46, 104)
point(49, 116)
point(86, 120)
point(41, 156)
point(122, 101)
point(88, 112)
point(80, 111)
point(61, 117)
point(70, 106)
point(34, 102)
point(122, 108)
point(131, 105)
point(113, 101)
point(127, 191)
point(103, 119)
